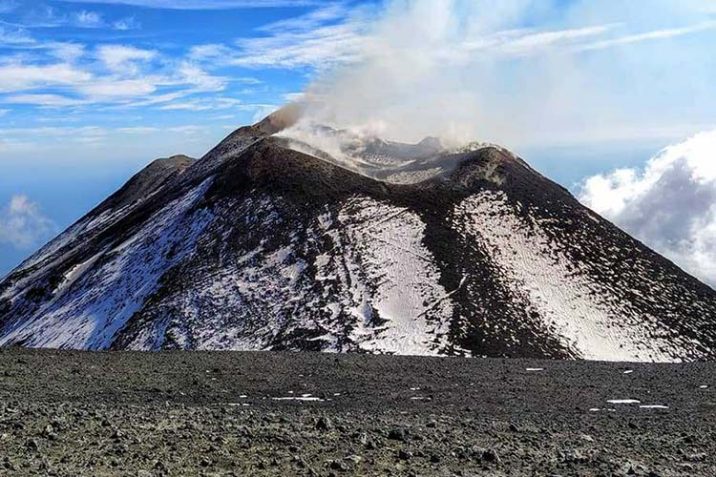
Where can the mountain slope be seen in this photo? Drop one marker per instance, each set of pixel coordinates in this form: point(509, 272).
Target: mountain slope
point(270, 243)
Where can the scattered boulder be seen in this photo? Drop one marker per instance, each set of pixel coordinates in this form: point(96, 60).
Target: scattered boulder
point(324, 424)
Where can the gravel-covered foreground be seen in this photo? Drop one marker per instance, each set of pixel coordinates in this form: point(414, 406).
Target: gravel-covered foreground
point(245, 414)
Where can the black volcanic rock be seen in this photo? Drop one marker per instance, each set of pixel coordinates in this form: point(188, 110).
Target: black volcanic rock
point(268, 243)
point(147, 181)
point(163, 414)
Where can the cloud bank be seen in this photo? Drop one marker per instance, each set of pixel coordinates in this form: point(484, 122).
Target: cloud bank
point(23, 225)
point(670, 204)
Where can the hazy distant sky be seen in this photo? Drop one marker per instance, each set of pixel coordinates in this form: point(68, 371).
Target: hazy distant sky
point(92, 90)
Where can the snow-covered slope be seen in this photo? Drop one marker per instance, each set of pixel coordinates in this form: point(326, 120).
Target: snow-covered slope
point(272, 243)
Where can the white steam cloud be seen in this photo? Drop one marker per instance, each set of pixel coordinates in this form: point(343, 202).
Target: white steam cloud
point(481, 70)
point(670, 205)
point(23, 225)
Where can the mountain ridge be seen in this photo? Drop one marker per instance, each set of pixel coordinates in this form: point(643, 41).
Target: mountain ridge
point(259, 245)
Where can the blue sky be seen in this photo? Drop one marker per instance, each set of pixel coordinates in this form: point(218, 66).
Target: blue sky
point(90, 91)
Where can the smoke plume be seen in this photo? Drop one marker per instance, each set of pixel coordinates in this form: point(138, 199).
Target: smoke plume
point(482, 70)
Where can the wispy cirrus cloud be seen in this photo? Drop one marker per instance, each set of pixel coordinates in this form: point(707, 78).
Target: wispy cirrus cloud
point(320, 48)
point(125, 24)
point(314, 18)
point(44, 99)
point(532, 41)
point(326, 36)
point(7, 6)
point(12, 35)
point(124, 58)
point(47, 16)
point(661, 34)
point(17, 76)
point(64, 51)
point(201, 80)
point(87, 19)
point(71, 75)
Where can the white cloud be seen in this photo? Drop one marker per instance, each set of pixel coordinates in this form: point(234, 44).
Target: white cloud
point(87, 19)
point(17, 77)
point(336, 34)
point(22, 223)
point(10, 36)
point(649, 35)
point(39, 99)
point(45, 16)
point(311, 20)
point(531, 42)
point(128, 23)
point(209, 51)
point(121, 75)
point(102, 90)
point(123, 58)
point(670, 204)
point(67, 52)
point(201, 80)
point(155, 99)
point(328, 35)
point(318, 48)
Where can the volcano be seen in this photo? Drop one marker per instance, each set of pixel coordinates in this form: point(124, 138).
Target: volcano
point(272, 242)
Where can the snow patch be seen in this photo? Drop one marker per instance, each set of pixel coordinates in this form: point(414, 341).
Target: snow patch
point(396, 281)
point(122, 276)
point(623, 401)
point(569, 301)
point(298, 398)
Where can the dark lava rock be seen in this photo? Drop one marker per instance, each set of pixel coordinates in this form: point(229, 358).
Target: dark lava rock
point(404, 455)
point(490, 455)
point(106, 427)
point(324, 424)
point(397, 435)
